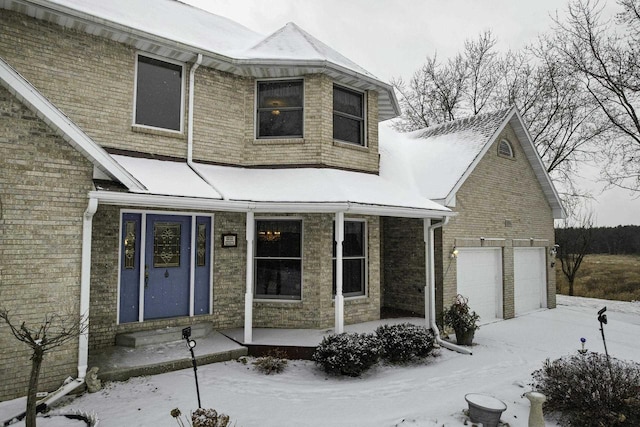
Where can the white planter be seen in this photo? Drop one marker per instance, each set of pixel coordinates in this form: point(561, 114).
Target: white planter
point(485, 409)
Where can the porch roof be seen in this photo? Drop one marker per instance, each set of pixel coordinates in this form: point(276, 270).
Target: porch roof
point(274, 190)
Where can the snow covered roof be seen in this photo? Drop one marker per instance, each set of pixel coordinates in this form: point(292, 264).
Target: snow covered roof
point(181, 32)
point(437, 160)
point(271, 190)
point(292, 42)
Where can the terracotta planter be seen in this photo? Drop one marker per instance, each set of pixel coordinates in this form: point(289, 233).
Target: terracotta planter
point(465, 336)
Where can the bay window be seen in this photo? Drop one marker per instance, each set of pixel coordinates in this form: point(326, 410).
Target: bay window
point(280, 109)
point(348, 116)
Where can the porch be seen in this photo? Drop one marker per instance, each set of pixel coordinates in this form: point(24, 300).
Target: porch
point(166, 352)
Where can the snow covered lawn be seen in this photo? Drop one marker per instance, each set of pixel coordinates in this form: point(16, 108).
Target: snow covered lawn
point(428, 394)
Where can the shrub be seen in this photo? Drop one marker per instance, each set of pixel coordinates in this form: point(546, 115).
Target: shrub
point(348, 354)
point(585, 393)
point(404, 342)
point(271, 363)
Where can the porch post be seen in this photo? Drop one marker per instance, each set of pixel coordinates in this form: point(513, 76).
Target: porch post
point(248, 296)
point(428, 267)
point(85, 287)
point(339, 300)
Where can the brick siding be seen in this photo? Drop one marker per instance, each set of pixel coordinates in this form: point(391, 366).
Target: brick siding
point(44, 184)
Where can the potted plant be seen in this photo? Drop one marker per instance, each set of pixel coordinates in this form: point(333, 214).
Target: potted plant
point(463, 321)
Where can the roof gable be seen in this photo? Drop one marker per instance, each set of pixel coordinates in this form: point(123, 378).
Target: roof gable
point(438, 160)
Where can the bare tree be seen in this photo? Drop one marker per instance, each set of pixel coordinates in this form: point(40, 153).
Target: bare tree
point(54, 331)
point(482, 64)
point(605, 54)
point(561, 121)
point(433, 95)
point(574, 243)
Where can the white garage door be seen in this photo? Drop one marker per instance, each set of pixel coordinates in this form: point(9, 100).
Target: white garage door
point(529, 279)
point(480, 280)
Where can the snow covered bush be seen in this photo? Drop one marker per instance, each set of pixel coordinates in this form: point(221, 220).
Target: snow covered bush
point(404, 342)
point(586, 393)
point(348, 354)
point(273, 363)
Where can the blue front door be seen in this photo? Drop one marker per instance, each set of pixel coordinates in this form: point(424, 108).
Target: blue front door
point(167, 265)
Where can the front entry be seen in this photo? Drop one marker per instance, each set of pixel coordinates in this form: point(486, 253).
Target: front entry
point(167, 261)
point(165, 268)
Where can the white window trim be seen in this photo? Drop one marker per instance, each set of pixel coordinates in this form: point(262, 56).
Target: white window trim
point(365, 285)
point(255, 270)
point(365, 110)
point(141, 257)
point(135, 94)
point(256, 117)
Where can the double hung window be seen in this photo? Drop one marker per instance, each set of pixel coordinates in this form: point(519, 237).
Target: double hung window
point(159, 94)
point(348, 116)
point(280, 109)
point(278, 259)
point(353, 259)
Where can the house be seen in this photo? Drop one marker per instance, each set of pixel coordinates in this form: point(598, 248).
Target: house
point(166, 166)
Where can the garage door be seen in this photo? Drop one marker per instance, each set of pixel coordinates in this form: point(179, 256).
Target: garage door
point(480, 280)
point(529, 279)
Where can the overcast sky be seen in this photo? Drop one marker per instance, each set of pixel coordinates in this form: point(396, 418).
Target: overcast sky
point(391, 38)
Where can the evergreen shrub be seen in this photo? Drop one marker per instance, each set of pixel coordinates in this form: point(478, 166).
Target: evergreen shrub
point(348, 353)
point(405, 342)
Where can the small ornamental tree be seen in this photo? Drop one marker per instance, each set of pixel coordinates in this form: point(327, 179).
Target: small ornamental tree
point(54, 331)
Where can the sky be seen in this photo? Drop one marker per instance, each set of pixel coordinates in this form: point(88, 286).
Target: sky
point(391, 38)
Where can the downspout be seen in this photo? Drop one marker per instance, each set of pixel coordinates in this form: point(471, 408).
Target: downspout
point(192, 74)
point(85, 286)
point(429, 240)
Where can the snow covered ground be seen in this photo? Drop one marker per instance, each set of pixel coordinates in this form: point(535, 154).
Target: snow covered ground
point(427, 394)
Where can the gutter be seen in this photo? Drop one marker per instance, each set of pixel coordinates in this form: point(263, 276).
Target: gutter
point(181, 202)
point(431, 285)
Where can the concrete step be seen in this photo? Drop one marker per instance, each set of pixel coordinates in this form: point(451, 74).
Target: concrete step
point(161, 336)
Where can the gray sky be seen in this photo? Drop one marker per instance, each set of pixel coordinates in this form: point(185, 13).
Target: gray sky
point(391, 38)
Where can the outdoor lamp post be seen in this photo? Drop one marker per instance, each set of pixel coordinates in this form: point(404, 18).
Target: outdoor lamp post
point(191, 344)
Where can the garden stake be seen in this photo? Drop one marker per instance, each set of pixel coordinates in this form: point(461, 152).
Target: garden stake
point(602, 318)
point(186, 334)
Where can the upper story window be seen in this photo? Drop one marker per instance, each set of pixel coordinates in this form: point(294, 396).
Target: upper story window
point(278, 259)
point(354, 259)
point(280, 108)
point(159, 94)
point(505, 149)
point(348, 115)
